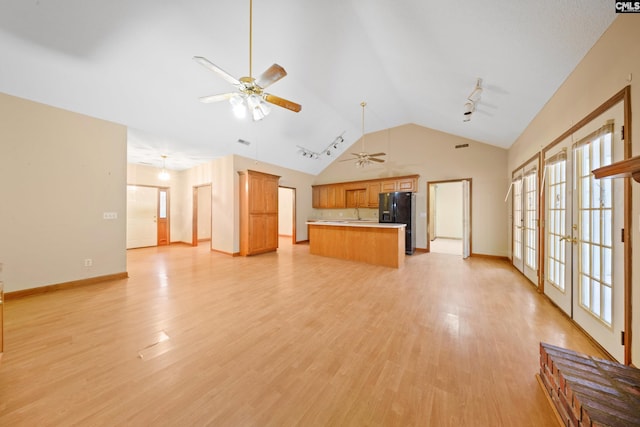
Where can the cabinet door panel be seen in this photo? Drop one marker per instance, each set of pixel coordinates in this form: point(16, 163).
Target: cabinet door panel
point(373, 189)
point(388, 186)
point(408, 184)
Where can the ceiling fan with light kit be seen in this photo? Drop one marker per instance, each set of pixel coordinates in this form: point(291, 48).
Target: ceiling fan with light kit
point(363, 158)
point(250, 94)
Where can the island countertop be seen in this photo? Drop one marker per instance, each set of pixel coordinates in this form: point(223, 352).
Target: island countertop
point(354, 223)
point(364, 241)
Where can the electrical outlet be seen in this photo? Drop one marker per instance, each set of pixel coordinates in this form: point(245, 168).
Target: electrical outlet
point(88, 262)
point(110, 215)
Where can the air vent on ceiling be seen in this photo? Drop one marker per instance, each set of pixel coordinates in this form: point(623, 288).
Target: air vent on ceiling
point(462, 146)
point(242, 141)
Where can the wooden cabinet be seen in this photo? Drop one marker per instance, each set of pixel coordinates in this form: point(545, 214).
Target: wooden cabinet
point(331, 196)
point(407, 184)
point(373, 190)
point(359, 194)
point(356, 198)
point(258, 212)
point(388, 186)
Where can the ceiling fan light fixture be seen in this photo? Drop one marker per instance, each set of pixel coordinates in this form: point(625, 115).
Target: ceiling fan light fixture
point(251, 94)
point(237, 106)
point(363, 158)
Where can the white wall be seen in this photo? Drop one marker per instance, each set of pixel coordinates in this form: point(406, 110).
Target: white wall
point(59, 172)
point(604, 71)
point(448, 212)
point(413, 149)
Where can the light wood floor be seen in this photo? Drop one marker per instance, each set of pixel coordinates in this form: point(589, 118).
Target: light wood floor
point(198, 338)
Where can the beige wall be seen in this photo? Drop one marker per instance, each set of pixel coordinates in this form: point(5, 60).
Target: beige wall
point(412, 149)
point(448, 215)
point(59, 172)
point(604, 71)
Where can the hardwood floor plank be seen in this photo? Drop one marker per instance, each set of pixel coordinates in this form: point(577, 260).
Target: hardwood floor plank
point(285, 338)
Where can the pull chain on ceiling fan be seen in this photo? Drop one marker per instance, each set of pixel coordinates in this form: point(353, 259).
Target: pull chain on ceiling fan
point(363, 158)
point(250, 95)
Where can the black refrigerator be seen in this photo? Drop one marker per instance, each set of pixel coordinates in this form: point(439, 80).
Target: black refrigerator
point(400, 208)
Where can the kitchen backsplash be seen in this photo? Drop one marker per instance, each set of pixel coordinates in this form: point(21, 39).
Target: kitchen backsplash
point(350, 213)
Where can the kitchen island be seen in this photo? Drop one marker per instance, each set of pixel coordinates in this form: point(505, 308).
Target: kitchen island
point(364, 241)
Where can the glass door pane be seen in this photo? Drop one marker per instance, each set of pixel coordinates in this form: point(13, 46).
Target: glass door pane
point(518, 220)
point(530, 227)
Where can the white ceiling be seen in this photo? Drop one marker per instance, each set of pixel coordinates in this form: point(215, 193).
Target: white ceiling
point(413, 61)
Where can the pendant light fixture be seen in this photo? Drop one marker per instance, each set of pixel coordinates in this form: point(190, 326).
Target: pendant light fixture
point(164, 175)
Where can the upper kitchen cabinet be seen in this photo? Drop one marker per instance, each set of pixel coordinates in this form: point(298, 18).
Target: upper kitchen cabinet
point(373, 189)
point(357, 198)
point(258, 212)
point(330, 196)
point(359, 194)
point(407, 183)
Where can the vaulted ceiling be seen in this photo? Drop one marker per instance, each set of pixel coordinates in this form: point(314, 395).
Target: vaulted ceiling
point(414, 61)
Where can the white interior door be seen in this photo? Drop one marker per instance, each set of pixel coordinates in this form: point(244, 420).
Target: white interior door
point(558, 250)
point(584, 256)
point(142, 209)
point(598, 219)
point(524, 233)
point(517, 223)
point(530, 223)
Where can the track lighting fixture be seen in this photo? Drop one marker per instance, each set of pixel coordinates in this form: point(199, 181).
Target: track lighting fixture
point(327, 151)
point(472, 100)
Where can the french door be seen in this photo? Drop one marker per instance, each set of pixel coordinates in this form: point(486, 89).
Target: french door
point(525, 220)
point(584, 216)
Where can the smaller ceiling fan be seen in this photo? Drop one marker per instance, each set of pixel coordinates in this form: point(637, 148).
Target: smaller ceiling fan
point(250, 95)
point(363, 158)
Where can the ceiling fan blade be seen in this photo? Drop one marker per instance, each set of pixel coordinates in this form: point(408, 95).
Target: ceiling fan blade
point(376, 160)
point(211, 66)
point(281, 102)
point(270, 76)
point(377, 154)
point(215, 98)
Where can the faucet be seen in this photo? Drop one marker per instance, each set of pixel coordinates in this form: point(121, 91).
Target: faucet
point(358, 214)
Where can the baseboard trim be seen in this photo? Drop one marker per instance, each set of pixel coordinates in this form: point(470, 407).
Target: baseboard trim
point(218, 251)
point(65, 285)
point(496, 257)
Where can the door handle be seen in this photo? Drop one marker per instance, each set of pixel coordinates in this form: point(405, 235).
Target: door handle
point(569, 239)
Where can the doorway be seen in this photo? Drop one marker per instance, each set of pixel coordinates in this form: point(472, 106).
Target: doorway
point(201, 223)
point(287, 214)
point(449, 217)
point(147, 216)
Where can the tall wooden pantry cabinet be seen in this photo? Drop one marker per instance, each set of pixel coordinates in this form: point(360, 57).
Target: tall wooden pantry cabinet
point(258, 212)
